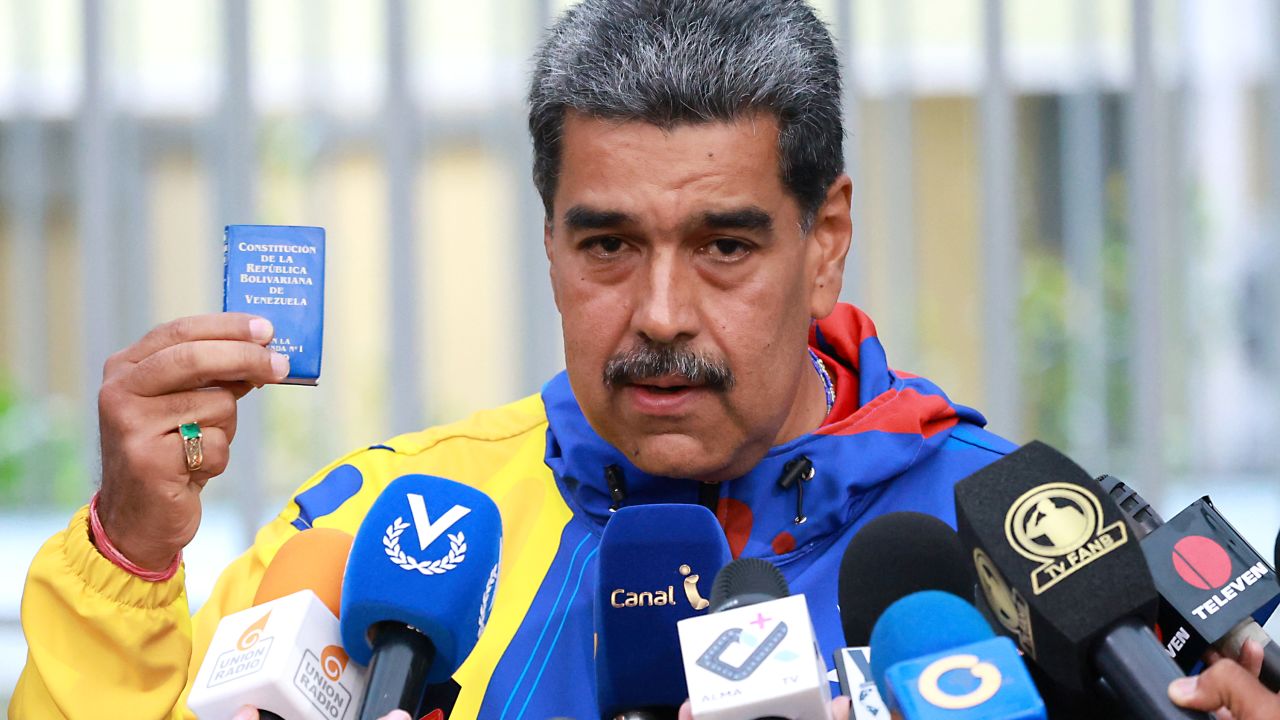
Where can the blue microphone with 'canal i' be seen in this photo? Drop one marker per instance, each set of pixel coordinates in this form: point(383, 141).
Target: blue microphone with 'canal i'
point(419, 586)
point(656, 564)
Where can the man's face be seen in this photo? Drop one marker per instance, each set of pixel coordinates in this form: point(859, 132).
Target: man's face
point(686, 287)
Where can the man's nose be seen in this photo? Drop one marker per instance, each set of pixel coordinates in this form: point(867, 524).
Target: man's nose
point(665, 309)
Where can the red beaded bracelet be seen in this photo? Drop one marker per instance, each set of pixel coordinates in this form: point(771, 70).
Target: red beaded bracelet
point(109, 551)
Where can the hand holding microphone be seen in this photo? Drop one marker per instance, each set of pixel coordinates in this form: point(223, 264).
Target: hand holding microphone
point(1211, 581)
point(1229, 686)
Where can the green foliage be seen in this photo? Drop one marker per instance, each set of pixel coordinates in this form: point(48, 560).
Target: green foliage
point(1044, 340)
point(40, 460)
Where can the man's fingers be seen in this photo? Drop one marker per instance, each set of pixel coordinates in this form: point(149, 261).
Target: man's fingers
point(216, 449)
point(206, 407)
point(840, 709)
point(841, 706)
point(239, 389)
point(1251, 657)
point(214, 326)
point(206, 363)
point(1226, 685)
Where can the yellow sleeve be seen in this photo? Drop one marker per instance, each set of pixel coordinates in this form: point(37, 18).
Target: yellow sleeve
point(99, 638)
point(103, 643)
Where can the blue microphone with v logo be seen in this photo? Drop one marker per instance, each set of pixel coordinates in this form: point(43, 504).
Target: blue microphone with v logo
point(419, 587)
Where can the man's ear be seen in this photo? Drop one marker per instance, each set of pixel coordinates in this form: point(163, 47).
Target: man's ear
point(829, 240)
point(551, 263)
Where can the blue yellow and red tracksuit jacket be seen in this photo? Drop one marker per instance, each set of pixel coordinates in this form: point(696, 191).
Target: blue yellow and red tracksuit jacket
point(105, 644)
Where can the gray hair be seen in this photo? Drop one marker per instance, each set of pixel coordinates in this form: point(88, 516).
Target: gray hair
point(669, 62)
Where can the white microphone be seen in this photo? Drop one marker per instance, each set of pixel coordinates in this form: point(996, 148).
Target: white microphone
point(755, 655)
point(284, 655)
point(853, 668)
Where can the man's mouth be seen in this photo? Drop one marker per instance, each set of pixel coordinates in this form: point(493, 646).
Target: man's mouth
point(665, 385)
point(664, 389)
point(665, 396)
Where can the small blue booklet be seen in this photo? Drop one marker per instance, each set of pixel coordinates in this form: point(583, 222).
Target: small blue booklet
point(277, 272)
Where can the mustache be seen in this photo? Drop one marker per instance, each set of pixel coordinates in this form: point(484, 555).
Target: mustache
point(653, 360)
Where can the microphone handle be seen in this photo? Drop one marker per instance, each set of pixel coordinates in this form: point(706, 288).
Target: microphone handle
point(1270, 675)
point(1232, 643)
point(1138, 671)
point(397, 676)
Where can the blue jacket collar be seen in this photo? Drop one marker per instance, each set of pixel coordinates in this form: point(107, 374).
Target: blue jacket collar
point(893, 422)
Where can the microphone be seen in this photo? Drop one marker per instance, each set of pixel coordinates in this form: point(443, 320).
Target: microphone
point(936, 657)
point(1211, 581)
point(755, 654)
point(890, 557)
point(893, 556)
point(419, 587)
point(284, 654)
point(1062, 573)
point(646, 583)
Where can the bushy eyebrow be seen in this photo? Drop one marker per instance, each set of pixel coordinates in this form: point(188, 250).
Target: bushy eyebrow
point(580, 217)
point(745, 218)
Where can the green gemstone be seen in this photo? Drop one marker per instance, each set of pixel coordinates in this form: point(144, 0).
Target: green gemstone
point(189, 431)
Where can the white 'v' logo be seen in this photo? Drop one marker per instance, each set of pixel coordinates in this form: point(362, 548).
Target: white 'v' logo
point(428, 531)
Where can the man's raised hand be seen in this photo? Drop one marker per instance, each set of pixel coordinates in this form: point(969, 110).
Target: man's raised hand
point(190, 370)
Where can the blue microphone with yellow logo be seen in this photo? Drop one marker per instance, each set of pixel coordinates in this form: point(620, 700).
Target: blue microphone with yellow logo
point(934, 656)
point(419, 587)
point(656, 564)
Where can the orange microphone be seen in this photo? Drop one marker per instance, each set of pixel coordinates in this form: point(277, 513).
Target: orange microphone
point(312, 560)
point(284, 655)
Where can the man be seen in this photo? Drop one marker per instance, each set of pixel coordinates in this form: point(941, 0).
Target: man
point(688, 153)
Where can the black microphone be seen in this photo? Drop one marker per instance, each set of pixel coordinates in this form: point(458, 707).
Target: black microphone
point(901, 553)
point(891, 557)
point(1064, 576)
point(1210, 580)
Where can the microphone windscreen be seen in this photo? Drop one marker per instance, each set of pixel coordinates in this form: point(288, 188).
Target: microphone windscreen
point(425, 556)
point(923, 623)
point(753, 578)
point(891, 557)
point(655, 567)
point(315, 560)
point(1055, 558)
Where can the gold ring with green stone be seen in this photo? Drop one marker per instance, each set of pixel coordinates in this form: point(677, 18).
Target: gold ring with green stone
point(192, 444)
